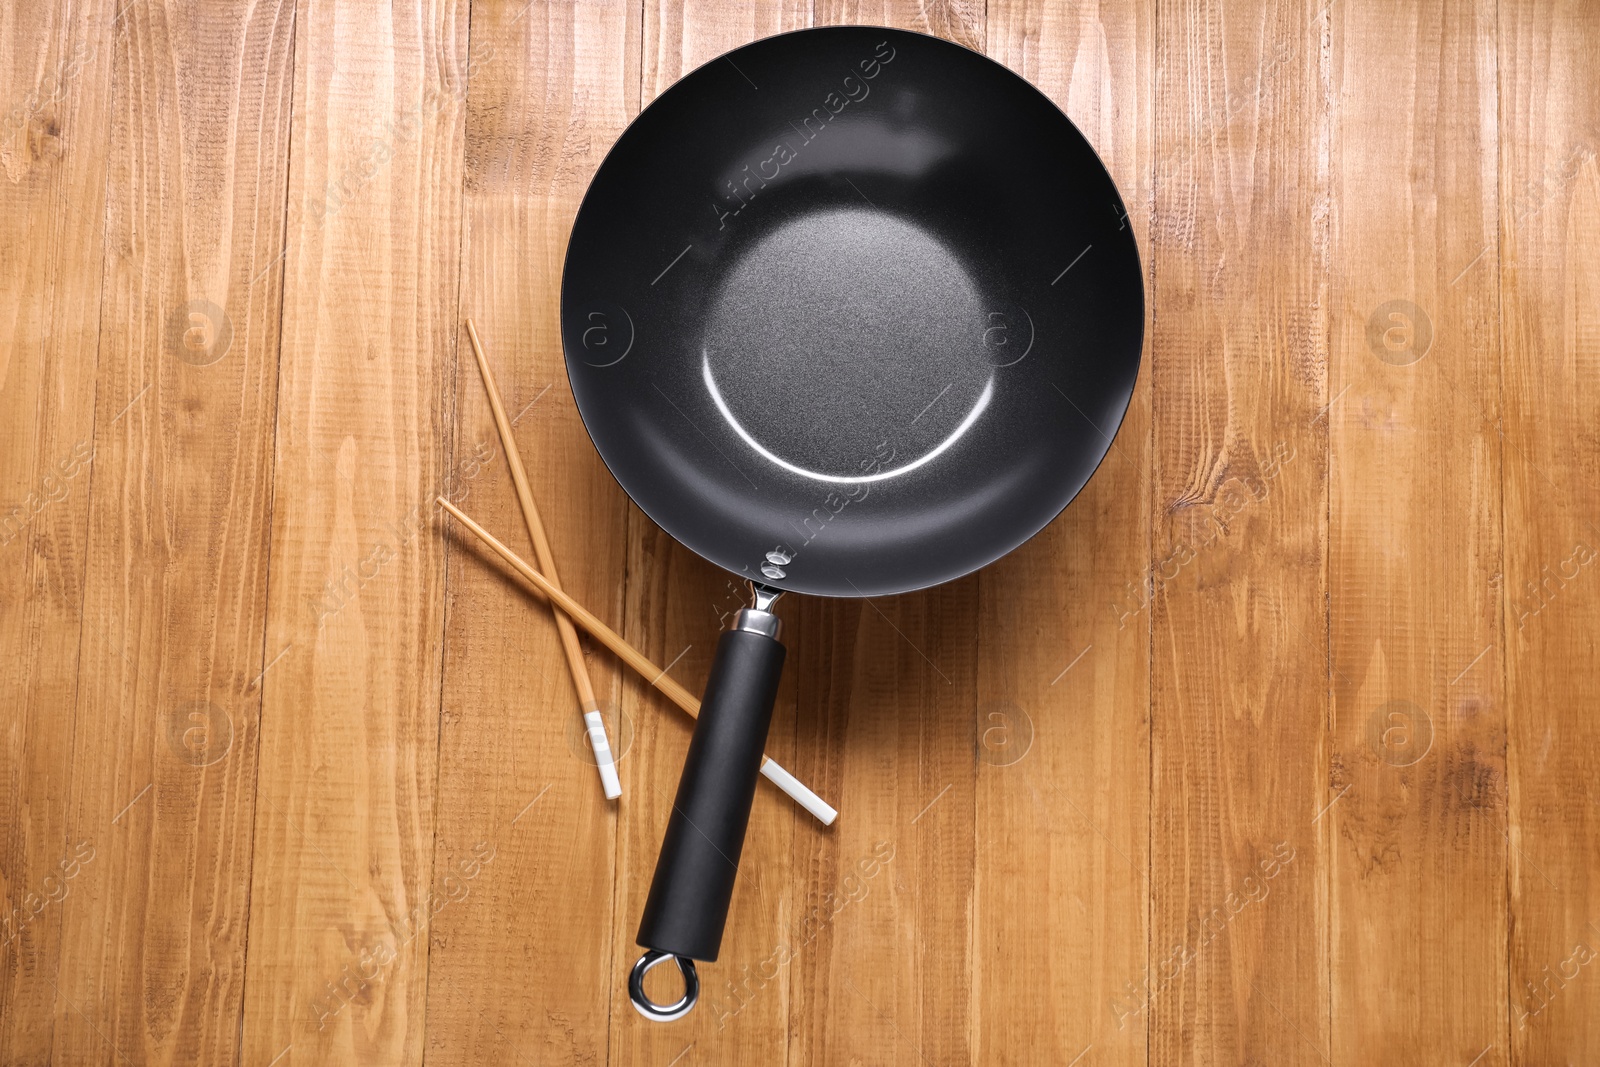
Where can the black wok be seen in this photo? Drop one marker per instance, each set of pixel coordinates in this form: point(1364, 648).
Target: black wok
point(847, 311)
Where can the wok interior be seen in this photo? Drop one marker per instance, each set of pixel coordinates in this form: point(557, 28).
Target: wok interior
point(838, 347)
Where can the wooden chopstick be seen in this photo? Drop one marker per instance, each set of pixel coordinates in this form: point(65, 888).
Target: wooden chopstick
point(588, 706)
point(635, 659)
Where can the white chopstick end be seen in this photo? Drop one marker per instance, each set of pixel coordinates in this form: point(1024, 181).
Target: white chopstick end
point(609, 780)
point(602, 755)
point(787, 782)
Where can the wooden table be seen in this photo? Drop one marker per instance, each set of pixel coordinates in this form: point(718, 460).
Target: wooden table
point(1278, 747)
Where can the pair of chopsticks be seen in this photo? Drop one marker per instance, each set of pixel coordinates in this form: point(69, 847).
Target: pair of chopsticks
point(568, 611)
point(587, 704)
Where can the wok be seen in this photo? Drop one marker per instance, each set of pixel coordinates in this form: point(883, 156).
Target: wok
point(850, 312)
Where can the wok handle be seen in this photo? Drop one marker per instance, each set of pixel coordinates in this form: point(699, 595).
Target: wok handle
point(689, 896)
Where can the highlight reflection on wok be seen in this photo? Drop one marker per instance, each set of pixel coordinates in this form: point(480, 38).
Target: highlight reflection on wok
point(878, 476)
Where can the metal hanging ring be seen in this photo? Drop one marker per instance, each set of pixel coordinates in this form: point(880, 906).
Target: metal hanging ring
point(663, 1013)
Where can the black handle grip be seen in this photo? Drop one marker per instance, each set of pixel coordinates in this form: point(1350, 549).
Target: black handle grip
point(693, 884)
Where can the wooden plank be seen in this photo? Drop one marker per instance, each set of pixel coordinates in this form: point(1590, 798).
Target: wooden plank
point(680, 35)
point(55, 79)
point(884, 934)
point(882, 923)
point(955, 20)
point(164, 748)
point(1237, 967)
point(344, 883)
point(1549, 287)
point(1063, 678)
point(677, 606)
point(550, 87)
point(1418, 845)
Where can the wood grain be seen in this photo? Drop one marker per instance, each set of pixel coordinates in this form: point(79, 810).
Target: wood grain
point(55, 75)
point(889, 898)
point(1141, 793)
point(344, 883)
point(1063, 673)
point(174, 593)
point(1549, 289)
point(963, 21)
point(1417, 838)
point(1237, 966)
point(679, 35)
